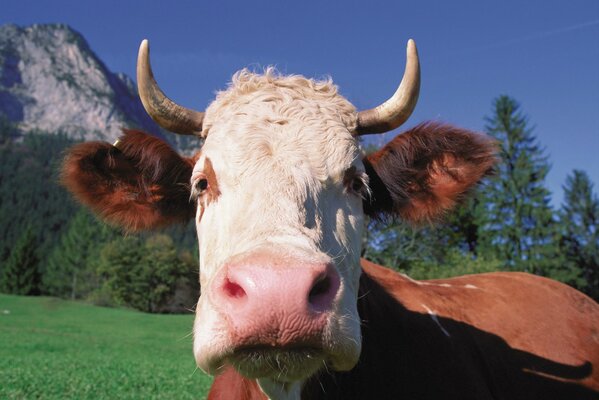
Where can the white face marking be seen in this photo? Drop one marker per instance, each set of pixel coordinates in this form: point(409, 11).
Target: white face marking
point(279, 150)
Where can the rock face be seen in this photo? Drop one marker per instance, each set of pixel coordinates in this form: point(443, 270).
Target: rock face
point(50, 80)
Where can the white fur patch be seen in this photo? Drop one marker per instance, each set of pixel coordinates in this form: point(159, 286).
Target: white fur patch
point(435, 318)
point(435, 284)
point(279, 147)
point(280, 391)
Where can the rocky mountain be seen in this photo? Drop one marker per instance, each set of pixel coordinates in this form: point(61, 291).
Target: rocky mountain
point(50, 80)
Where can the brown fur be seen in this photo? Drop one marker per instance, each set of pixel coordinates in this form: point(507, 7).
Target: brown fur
point(142, 184)
point(511, 336)
point(494, 327)
point(425, 171)
point(212, 192)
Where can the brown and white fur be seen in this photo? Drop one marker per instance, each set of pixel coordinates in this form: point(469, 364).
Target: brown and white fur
point(280, 190)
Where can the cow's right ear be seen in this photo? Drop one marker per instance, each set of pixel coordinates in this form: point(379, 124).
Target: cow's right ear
point(142, 184)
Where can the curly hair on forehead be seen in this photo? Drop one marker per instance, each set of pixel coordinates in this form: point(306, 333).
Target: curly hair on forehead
point(281, 96)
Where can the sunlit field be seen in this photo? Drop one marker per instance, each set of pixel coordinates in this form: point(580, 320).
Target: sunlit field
point(56, 349)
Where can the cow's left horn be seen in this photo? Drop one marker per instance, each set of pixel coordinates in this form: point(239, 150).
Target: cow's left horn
point(164, 111)
point(398, 108)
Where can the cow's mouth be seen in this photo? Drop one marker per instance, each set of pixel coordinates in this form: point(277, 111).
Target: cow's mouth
point(284, 364)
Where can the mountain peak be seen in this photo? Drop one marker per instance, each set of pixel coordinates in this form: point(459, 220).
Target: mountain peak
point(51, 80)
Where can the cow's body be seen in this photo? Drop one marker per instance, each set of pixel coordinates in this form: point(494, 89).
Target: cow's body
point(279, 190)
point(490, 336)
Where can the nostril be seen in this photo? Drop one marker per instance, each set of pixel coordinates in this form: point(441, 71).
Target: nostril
point(320, 288)
point(233, 290)
point(323, 291)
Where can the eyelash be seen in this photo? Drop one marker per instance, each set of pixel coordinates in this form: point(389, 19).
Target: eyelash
point(358, 185)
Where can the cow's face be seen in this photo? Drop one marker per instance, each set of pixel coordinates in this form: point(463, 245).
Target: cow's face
point(279, 184)
point(279, 191)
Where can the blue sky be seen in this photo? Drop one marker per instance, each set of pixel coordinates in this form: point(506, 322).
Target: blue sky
point(543, 53)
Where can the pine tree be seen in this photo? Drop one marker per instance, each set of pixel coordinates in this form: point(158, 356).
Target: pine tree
point(29, 191)
point(516, 223)
point(461, 228)
point(579, 219)
point(398, 245)
point(20, 273)
point(70, 270)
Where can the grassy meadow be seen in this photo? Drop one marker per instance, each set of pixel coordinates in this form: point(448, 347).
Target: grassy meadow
point(57, 349)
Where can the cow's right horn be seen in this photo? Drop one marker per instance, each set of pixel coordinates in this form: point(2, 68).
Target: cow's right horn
point(164, 111)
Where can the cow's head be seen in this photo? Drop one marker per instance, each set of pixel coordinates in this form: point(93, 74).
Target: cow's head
point(279, 191)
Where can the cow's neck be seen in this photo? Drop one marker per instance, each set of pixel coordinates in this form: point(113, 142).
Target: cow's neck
point(382, 330)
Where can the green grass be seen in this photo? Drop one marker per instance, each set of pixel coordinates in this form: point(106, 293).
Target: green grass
point(57, 349)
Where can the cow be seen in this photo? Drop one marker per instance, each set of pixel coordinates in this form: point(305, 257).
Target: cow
point(279, 191)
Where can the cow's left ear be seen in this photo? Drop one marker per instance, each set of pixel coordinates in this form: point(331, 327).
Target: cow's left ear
point(140, 184)
point(423, 172)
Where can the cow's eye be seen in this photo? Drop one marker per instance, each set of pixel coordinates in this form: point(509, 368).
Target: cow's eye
point(199, 187)
point(357, 185)
point(202, 185)
point(355, 182)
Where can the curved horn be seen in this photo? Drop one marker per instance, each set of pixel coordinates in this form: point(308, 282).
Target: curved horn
point(395, 111)
point(164, 111)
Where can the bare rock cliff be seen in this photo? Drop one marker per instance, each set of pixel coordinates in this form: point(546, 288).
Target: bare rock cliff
point(50, 80)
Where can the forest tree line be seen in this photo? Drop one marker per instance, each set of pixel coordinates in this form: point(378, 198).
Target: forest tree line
point(52, 246)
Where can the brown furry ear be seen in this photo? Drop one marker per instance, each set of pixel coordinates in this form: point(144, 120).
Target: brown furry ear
point(424, 171)
point(142, 184)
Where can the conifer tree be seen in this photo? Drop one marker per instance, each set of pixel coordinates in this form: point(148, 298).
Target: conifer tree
point(398, 245)
point(516, 223)
point(20, 273)
point(579, 219)
point(70, 270)
point(29, 190)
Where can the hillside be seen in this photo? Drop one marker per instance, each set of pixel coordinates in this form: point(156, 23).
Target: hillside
point(52, 81)
point(56, 349)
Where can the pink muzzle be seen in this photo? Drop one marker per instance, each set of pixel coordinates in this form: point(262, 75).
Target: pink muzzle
point(270, 301)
